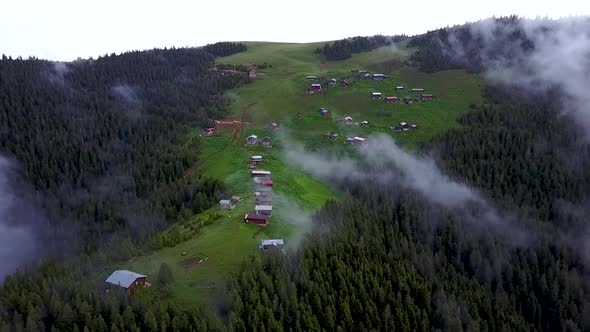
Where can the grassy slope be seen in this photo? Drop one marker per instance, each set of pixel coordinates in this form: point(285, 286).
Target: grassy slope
point(278, 96)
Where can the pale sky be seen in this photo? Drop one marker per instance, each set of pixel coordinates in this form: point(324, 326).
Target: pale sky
point(68, 29)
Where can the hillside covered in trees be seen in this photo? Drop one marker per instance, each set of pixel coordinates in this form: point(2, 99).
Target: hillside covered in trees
point(102, 142)
point(344, 48)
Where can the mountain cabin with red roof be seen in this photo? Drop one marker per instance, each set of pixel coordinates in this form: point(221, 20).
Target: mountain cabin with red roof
point(256, 219)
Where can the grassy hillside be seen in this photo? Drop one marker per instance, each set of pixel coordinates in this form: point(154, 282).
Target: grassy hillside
point(278, 96)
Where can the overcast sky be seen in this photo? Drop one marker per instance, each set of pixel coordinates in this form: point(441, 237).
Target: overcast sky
point(68, 29)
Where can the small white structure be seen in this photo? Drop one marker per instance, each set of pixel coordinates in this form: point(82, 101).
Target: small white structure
point(226, 204)
point(379, 77)
point(364, 123)
point(376, 95)
point(348, 120)
point(399, 88)
point(273, 244)
point(263, 209)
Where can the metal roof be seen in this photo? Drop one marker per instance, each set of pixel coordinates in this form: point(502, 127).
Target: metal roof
point(272, 242)
point(123, 278)
point(376, 93)
point(224, 201)
point(263, 208)
point(252, 136)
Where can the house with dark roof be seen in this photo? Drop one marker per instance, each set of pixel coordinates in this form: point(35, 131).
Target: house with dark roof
point(379, 77)
point(127, 280)
point(266, 142)
point(256, 219)
point(391, 100)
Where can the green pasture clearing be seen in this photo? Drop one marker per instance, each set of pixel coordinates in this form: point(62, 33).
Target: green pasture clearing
point(278, 96)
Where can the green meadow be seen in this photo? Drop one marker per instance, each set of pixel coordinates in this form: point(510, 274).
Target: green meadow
point(277, 95)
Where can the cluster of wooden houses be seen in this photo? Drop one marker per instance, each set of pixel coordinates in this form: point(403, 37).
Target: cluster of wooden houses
point(404, 126)
point(253, 140)
point(263, 194)
point(406, 100)
point(315, 85)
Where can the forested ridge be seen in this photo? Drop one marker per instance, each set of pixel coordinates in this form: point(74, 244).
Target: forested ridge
point(344, 48)
point(101, 138)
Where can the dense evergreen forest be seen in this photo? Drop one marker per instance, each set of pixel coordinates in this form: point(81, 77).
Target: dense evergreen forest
point(343, 49)
point(102, 140)
point(472, 46)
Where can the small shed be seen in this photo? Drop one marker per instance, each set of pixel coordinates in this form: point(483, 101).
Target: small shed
point(408, 100)
point(256, 159)
point(426, 96)
point(235, 199)
point(263, 193)
point(332, 82)
point(413, 126)
point(376, 95)
point(345, 84)
point(391, 100)
point(252, 73)
point(275, 244)
point(256, 219)
point(251, 140)
point(266, 141)
point(209, 132)
point(364, 123)
point(399, 88)
point(417, 90)
point(324, 112)
point(331, 136)
point(347, 120)
point(226, 204)
point(311, 78)
point(265, 210)
point(274, 126)
point(127, 280)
